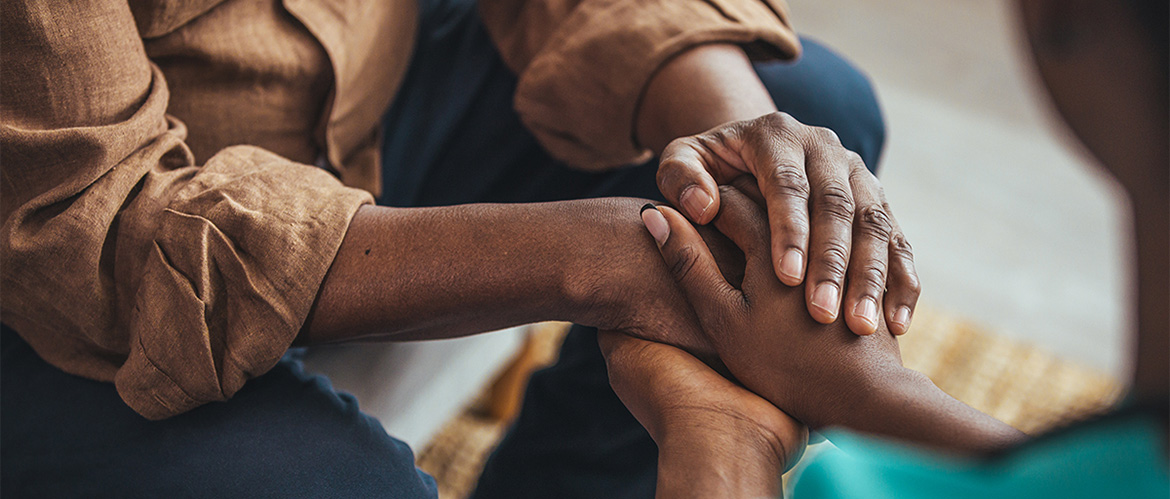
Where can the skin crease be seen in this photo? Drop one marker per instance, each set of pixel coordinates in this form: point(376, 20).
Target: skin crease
point(822, 375)
point(1109, 84)
point(804, 174)
point(586, 263)
point(720, 419)
point(590, 264)
point(409, 274)
point(393, 288)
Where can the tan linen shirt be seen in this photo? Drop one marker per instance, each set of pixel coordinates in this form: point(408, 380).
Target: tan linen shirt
point(161, 226)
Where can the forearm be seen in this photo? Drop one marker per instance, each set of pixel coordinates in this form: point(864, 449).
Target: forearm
point(905, 404)
point(423, 273)
point(729, 468)
point(701, 88)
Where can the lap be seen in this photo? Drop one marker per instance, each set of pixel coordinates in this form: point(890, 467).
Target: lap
point(284, 434)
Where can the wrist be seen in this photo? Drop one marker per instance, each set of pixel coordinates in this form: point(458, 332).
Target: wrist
point(614, 278)
point(883, 389)
point(712, 463)
point(598, 278)
point(849, 395)
point(907, 405)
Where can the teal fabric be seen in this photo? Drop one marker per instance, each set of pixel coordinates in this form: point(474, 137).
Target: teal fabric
point(1119, 456)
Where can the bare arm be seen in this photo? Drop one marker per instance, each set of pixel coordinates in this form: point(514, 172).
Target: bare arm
point(715, 438)
point(425, 273)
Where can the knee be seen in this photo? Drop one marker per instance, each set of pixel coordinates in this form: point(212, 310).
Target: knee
point(824, 89)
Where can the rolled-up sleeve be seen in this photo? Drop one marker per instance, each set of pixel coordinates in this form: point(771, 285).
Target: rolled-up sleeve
point(583, 64)
point(124, 261)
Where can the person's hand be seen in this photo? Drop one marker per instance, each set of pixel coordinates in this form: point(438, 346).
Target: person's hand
point(617, 279)
point(713, 435)
point(830, 222)
point(814, 372)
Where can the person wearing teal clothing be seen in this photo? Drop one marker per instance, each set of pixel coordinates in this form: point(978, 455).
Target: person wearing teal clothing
point(1106, 65)
point(1119, 455)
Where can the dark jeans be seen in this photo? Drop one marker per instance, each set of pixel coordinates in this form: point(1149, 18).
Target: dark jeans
point(451, 137)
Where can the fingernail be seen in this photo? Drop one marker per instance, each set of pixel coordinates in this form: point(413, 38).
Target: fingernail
point(792, 265)
point(696, 202)
point(655, 223)
point(902, 318)
point(825, 298)
point(866, 310)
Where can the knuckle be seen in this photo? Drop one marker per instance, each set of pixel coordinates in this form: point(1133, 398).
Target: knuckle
point(683, 263)
point(789, 179)
point(872, 276)
point(833, 258)
point(668, 171)
point(713, 139)
point(856, 164)
point(909, 280)
point(780, 127)
point(793, 229)
point(901, 248)
point(874, 221)
point(764, 137)
point(778, 119)
point(678, 143)
point(836, 201)
point(912, 285)
point(825, 135)
point(858, 172)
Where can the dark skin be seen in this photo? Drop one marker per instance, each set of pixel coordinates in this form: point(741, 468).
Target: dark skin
point(467, 269)
point(413, 274)
point(820, 374)
point(408, 274)
point(717, 419)
point(822, 203)
point(1111, 88)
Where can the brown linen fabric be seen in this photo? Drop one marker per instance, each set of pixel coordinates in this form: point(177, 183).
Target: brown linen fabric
point(161, 228)
point(583, 64)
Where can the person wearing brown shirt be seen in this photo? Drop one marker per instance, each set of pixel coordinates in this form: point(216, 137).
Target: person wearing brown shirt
point(188, 188)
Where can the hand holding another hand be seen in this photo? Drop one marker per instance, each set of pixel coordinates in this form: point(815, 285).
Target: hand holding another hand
point(829, 220)
point(813, 371)
point(715, 438)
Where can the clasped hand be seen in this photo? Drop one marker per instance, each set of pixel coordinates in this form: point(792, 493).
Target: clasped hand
point(821, 202)
point(798, 192)
point(759, 330)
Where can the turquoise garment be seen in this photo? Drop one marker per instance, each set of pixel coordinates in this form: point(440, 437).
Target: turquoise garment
point(1118, 456)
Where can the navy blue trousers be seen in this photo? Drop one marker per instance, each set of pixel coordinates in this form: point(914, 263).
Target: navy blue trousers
point(451, 137)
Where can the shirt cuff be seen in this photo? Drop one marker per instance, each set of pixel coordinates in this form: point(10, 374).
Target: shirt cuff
point(580, 94)
point(229, 277)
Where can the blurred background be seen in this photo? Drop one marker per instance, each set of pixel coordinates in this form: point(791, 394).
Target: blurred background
point(1012, 225)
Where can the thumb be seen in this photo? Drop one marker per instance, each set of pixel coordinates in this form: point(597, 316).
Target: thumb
point(691, 264)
